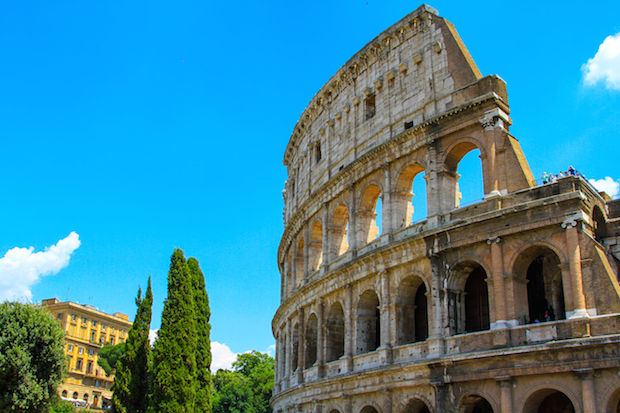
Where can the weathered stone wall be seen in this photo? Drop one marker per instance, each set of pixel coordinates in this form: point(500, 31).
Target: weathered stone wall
point(506, 305)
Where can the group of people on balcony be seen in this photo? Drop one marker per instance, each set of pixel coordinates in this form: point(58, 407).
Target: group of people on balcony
point(551, 178)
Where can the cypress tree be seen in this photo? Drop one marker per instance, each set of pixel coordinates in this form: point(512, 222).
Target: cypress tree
point(131, 382)
point(203, 342)
point(174, 354)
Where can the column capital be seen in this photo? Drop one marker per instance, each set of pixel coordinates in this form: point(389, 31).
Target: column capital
point(504, 380)
point(569, 223)
point(585, 373)
point(494, 240)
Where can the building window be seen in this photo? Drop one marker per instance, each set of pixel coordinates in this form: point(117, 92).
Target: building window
point(81, 350)
point(85, 397)
point(70, 347)
point(103, 327)
point(89, 366)
point(94, 323)
point(92, 336)
point(73, 317)
point(79, 364)
point(112, 340)
point(84, 320)
point(317, 152)
point(64, 393)
point(369, 107)
point(91, 352)
point(75, 395)
point(60, 316)
point(97, 383)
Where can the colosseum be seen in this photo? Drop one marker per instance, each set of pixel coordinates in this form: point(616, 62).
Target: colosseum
point(510, 304)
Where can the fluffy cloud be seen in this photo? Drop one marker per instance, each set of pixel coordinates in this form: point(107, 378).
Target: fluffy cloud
point(153, 336)
point(21, 268)
point(607, 185)
point(605, 65)
point(222, 357)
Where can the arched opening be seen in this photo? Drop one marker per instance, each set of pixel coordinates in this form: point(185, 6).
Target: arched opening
point(613, 404)
point(316, 246)
point(412, 311)
point(476, 404)
point(416, 406)
point(95, 401)
point(409, 198)
point(290, 279)
point(468, 298)
point(598, 222)
point(368, 322)
point(335, 333)
point(369, 230)
point(369, 409)
point(299, 262)
point(463, 161)
point(311, 340)
point(75, 395)
point(295, 348)
point(476, 301)
point(339, 231)
point(540, 267)
point(85, 397)
point(64, 393)
point(548, 401)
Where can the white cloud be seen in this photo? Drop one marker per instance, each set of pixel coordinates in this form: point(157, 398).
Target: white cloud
point(605, 65)
point(607, 185)
point(153, 336)
point(271, 350)
point(21, 268)
point(222, 357)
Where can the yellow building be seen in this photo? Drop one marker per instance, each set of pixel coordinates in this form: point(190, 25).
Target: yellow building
point(87, 331)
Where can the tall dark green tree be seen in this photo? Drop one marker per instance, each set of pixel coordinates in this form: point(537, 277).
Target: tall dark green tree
point(174, 353)
point(131, 381)
point(202, 314)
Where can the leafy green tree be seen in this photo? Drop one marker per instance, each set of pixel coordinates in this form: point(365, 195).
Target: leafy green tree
point(110, 356)
point(232, 393)
point(60, 406)
point(203, 343)
point(174, 353)
point(32, 361)
point(248, 387)
point(131, 381)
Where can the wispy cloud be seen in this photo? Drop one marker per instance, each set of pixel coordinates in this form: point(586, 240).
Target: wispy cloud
point(608, 185)
point(153, 336)
point(605, 65)
point(222, 357)
point(21, 268)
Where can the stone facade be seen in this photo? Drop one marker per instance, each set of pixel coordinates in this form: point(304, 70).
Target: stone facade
point(511, 304)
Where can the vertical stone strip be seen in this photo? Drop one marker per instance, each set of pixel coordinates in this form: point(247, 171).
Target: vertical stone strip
point(588, 395)
point(288, 348)
point(320, 339)
point(301, 353)
point(326, 256)
point(574, 264)
point(353, 230)
point(505, 385)
point(497, 262)
point(348, 326)
point(388, 208)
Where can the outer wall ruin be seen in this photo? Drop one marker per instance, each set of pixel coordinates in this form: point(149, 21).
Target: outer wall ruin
point(510, 304)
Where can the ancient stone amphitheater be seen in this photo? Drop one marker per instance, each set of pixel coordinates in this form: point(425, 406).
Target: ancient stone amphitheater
point(509, 304)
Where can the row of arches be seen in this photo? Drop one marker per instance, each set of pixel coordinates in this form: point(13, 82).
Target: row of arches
point(407, 204)
point(467, 303)
point(547, 400)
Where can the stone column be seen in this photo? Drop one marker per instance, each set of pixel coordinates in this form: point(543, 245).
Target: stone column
point(387, 201)
point(348, 327)
point(325, 254)
point(295, 276)
point(301, 353)
point(320, 339)
point(588, 395)
point(353, 231)
point(491, 186)
point(388, 403)
point(574, 264)
point(384, 310)
point(307, 264)
point(432, 180)
point(348, 405)
point(505, 384)
point(497, 262)
point(288, 347)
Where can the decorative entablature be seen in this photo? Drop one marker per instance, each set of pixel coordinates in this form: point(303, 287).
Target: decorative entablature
point(375, 50)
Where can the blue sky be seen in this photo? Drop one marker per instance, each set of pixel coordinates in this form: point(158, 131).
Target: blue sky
point(145, 126)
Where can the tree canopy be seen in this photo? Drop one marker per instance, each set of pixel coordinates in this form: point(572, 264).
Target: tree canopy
point(32, 360)
point(247, 388)
point(110, 356)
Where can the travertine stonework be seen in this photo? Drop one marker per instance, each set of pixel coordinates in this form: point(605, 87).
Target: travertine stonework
point(511, 304)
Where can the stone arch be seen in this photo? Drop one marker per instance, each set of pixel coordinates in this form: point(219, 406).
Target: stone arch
point(477, 402)
point(450, 178)
point(338, 231)
point(411, 310)
point(75, 395)
point(540, 267)
point(335, 332)
point(468, 298)
point(295, 347)
point(85, 397)
point(416, 405)
point(367, 214)
point(316, 246)
point(64, 393)
point(299, 262)
point(550, 400)
point(598, 223)
point(368, 320)
point(613, 402)
point(402, 195)
point(369, 409)
point(312, 328)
